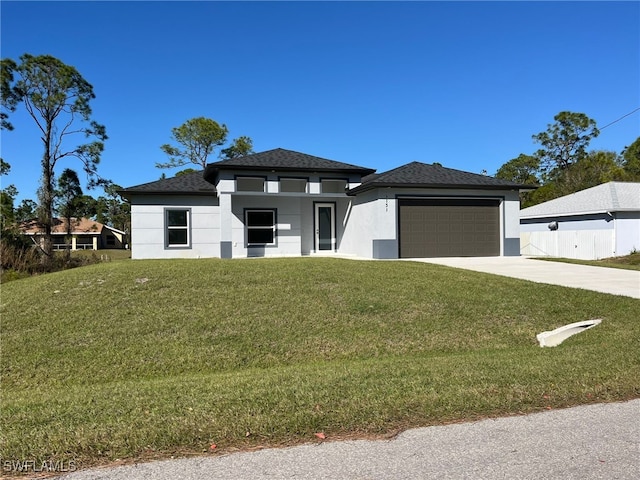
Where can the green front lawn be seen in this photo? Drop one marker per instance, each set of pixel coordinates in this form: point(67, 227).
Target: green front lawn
point(627, 262)
point(146, 359)
point(105, 255)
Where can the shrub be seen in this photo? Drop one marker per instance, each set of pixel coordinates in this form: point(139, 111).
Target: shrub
point(19, 258)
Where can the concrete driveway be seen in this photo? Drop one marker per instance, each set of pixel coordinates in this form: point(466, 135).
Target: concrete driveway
point(615, 281)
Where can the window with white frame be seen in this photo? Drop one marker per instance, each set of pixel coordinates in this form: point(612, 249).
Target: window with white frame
point(250, 184)
point(177, 227)
point(331, 185)
point(260, 227)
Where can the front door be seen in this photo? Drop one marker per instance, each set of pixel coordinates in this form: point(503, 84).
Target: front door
point(325, 225)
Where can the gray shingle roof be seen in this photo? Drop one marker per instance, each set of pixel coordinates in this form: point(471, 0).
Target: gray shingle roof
point(284, 160)
point(414, 174)
point(192, 183)
point(420, 175)
point(607, 197)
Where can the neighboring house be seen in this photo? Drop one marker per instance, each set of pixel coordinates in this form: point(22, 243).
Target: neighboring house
point(86, 234)
point(599, 222)
point(285, 203)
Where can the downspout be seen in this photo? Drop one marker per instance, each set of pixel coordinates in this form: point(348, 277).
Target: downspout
point(614, 234)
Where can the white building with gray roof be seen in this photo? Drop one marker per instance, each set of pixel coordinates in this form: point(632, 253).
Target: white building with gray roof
point(286, 203)
point(599, 222)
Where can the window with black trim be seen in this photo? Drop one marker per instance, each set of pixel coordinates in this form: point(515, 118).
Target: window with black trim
point(293, 185)
point(250, 184)
point(177, 224)
point(330, 185)
point(261, 227)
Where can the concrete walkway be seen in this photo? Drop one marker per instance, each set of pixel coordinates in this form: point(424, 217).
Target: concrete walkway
point(599, 441)
point(615, 281)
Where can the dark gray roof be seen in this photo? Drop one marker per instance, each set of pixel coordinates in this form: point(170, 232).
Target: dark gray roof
point(421, 175)
point(192, 183)
point(411, 175)
point(283, 160)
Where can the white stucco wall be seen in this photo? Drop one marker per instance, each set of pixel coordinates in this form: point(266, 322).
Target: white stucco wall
point(148, 228)
point(295, 219)
point(295, 212)
point(575, 244)
point(585, 237)
point(627, 226)
point(288, 217)
point(372, 231)
point(366, 224)
point(372, 216)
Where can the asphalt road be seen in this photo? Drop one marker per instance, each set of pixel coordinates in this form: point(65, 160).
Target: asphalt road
point(599, 441)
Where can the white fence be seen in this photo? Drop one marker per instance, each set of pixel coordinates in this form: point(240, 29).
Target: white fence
point(578, 244)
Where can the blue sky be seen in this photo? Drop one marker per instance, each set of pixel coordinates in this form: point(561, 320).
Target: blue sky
point(376, 84)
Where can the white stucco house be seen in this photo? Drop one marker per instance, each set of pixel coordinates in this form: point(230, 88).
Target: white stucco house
point(286, 203)
point(599, 222)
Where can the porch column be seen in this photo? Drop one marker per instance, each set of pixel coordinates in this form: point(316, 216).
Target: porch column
point(74, 243)
point(95, 243)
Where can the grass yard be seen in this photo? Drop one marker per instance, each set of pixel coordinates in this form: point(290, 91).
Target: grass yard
point(105, 255)
point(627, 262)
point(147, 359)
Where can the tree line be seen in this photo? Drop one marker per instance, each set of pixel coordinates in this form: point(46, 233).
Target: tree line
point(58, 99)
point(564, 165)
point(69, 201)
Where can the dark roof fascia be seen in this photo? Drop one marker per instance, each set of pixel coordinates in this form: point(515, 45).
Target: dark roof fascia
point(212, 170)
point(130, 192)
point(374, 185)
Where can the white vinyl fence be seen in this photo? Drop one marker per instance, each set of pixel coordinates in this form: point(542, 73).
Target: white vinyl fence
point(578, 244)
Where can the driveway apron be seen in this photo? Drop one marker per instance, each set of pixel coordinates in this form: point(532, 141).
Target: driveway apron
point(615, 281)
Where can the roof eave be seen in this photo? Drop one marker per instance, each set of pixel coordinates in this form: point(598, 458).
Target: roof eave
point(128, 193)
point(373, 185)
point(577, 214)
point(212, 170)
point(96, 233)
point(115, 230)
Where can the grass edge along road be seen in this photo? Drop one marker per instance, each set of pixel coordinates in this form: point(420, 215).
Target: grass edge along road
point(148, 359)
point(626, 262)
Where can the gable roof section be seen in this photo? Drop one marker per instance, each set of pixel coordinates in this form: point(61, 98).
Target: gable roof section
point(422, 175)
point(282, 160)
point(607, 197)
point(192, 183)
